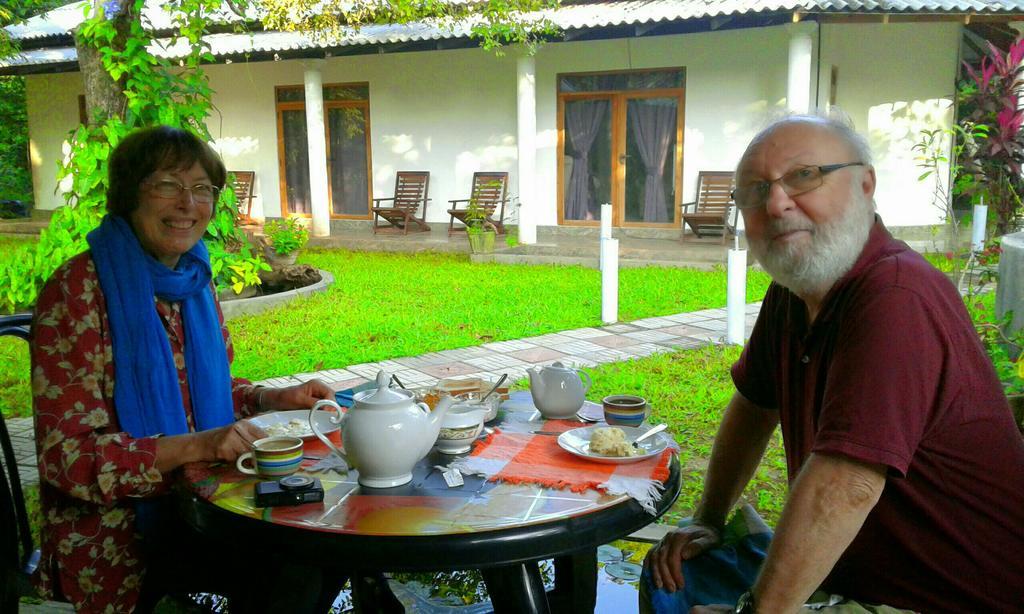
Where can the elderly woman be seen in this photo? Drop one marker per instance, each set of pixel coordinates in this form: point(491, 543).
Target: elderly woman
point(131, 379)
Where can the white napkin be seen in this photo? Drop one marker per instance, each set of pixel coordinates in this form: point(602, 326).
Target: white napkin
point(331, 461)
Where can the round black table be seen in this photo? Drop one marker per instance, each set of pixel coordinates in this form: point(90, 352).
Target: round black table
point(504, 530)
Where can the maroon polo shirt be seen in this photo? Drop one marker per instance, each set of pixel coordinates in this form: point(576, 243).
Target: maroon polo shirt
point(892, 372)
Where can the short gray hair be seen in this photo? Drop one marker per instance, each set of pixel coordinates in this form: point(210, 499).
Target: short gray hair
point(834, 120)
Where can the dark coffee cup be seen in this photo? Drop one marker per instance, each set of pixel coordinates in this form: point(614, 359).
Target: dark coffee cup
point(624, 409)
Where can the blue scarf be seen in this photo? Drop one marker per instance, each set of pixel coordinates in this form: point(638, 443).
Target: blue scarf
point(147, 397)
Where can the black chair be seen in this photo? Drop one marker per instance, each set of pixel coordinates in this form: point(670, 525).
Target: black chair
point(19, 555)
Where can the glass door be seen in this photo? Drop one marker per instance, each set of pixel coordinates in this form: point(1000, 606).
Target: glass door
point(347, 133)
point(651, 155)
point(294, 157)
point(587, 158)
point(348, 163)
point(621, 142)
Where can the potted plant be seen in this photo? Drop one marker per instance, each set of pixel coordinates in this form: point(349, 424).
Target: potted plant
point(284, 238)
point(236, 269)
point(480, 232)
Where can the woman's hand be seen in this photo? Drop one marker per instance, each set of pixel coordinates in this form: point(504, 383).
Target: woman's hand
point(300, 396)
point(226, 443)
point(665, 559)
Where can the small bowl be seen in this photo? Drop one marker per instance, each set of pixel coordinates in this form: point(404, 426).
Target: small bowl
point(624, 409)
point(471, 400)
point(459, 429)
point(457, 440)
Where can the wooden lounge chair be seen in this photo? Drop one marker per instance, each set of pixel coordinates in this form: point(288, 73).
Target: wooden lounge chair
point(410, 192)
point(243, 192)
point(710, 214)
point(490, 191)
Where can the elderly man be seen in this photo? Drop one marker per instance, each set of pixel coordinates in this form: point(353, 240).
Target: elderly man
point(906, 470)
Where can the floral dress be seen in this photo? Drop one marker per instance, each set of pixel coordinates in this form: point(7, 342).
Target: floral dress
point(91, 472)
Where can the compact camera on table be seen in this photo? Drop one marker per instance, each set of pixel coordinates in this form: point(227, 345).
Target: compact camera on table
point(291, 490)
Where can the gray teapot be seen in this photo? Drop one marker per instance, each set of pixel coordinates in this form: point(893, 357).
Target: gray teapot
point(558, 391)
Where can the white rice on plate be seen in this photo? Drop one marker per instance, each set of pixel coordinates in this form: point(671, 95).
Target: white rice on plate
point(293, 428)
point(611, 441)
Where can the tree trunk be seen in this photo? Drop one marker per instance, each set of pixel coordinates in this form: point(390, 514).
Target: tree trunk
point(104, 97)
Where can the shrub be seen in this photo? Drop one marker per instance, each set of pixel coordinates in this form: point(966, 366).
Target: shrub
point(286, 235)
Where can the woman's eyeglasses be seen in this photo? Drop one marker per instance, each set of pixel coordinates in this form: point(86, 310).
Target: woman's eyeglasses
point(168, 188)
point(794, 183)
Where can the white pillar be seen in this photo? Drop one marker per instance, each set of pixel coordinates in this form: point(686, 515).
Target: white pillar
point(798, 85)
point(317, 145)
point(526, 137)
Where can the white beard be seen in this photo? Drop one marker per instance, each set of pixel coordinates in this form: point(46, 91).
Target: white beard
point(810, 270)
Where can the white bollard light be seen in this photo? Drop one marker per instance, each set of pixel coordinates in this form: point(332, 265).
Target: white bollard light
point(978, 226)
point(610, 281)
point(606, 231)
point(736, 295)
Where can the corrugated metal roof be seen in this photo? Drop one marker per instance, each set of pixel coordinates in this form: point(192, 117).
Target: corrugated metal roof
point(61, 21)
point(571, 17)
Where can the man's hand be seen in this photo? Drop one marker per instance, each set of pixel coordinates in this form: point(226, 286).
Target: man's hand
point(712, 609)
point(665, 559)
point(300, 396)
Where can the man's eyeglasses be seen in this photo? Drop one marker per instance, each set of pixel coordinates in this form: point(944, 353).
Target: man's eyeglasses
point(168, 188)
point(798, 181)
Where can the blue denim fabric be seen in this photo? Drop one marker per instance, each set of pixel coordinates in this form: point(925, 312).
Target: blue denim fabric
point(720, 575)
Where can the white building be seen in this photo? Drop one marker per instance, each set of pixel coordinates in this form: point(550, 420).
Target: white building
point(679, 86)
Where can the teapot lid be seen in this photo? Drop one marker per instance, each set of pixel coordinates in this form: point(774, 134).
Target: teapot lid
point(558, 366)
point(384, 394)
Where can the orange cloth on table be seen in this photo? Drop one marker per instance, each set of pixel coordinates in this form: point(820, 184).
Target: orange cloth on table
point(533, 458)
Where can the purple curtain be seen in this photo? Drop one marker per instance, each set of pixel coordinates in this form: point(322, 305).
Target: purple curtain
point(583, 120)
point(653, 125)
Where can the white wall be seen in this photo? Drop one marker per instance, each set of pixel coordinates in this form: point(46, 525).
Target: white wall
point(448, 112)
point(895, 80)
point(454, 112)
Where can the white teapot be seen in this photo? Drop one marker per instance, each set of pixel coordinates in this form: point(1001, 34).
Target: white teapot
point(558, 391)
point(385, 433)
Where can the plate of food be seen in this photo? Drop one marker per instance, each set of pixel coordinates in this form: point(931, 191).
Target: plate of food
point(611, 444)
point(294, 423)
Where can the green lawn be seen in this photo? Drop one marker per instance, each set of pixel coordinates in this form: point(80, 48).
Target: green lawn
point(391, 305)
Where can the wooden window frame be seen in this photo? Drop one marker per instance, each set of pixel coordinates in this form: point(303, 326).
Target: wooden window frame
point(295, 105)
point(617, 99)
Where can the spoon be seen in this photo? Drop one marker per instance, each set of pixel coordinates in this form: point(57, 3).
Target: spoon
point(661, 427)
point(501, 381)
point(399, 382)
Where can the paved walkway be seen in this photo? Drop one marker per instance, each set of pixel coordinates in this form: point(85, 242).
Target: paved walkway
point(581, 347)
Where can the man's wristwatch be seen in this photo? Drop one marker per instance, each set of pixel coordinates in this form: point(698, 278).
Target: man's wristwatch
point(745, 605)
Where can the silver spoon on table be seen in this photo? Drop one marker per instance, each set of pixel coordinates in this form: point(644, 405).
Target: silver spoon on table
point(501, 381)
point(654, 431)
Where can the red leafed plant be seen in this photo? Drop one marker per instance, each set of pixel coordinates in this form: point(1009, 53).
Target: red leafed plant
point(993, 162)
